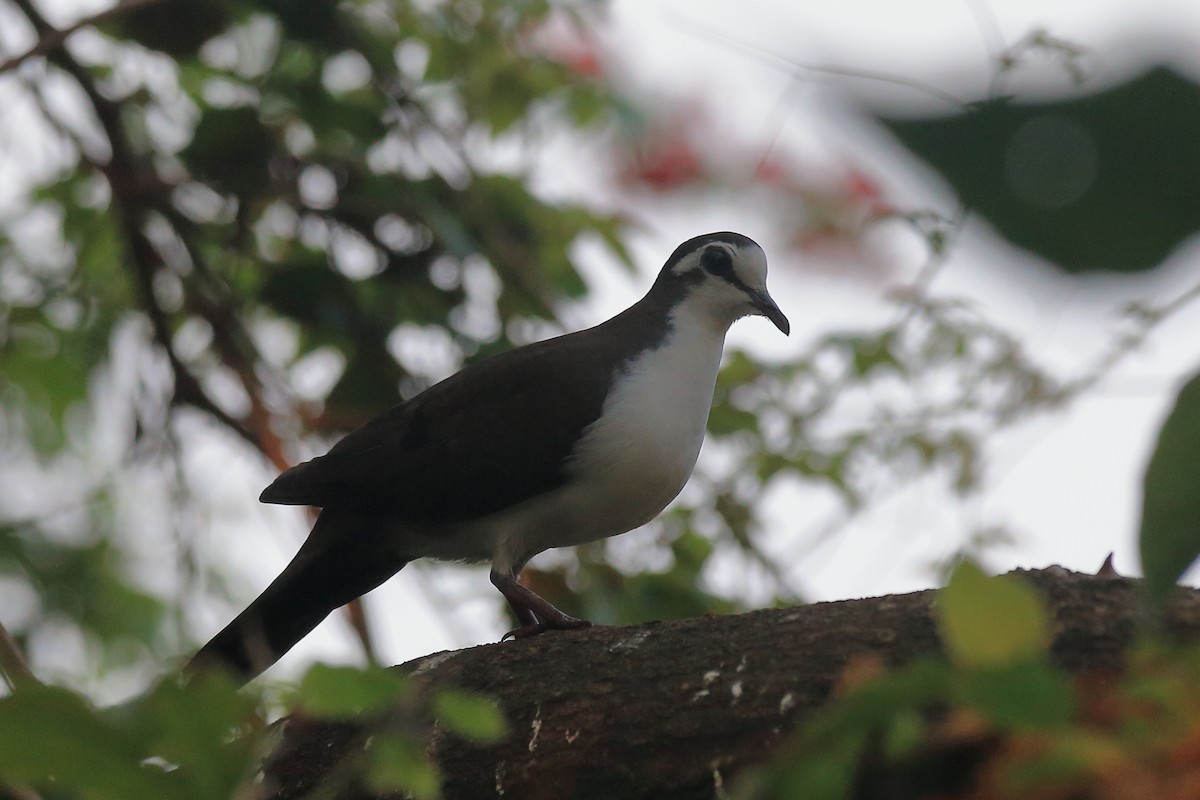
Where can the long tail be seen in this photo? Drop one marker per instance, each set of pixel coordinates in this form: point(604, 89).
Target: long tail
point(337, 563)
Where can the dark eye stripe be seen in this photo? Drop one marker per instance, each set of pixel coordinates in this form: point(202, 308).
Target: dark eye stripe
point(716, 261)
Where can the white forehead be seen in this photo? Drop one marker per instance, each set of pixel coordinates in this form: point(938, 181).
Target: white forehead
point(749, 263)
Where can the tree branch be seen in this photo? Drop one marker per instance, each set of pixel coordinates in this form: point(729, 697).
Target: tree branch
point(672, 710)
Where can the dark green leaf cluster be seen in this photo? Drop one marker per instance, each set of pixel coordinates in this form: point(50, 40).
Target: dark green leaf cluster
point(204, 740)
point(394, 756)
point(174, 743)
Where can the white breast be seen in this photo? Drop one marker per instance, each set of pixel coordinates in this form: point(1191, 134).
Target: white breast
point(628, 465)
point(635, 458)
point(646, 441)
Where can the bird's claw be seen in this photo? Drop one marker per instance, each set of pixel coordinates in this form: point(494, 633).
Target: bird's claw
point(563, 623)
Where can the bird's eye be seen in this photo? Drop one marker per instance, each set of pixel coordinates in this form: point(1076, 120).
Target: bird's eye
point(717, 261)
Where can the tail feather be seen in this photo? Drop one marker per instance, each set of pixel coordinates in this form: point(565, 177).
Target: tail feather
point(332, 568)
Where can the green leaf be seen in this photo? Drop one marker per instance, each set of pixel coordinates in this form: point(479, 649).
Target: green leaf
point(231, 148)
point(871, 353)
point(904, 735)
point(812, 777)
point(881, 701)
point(396, 763)
point(49, 735)
point(349, 692)
point(471, 716)
point(1021, 695)
point(991, 621)
point(83, 582)
point(1097, 182)
point(177, 28)
point(1170, 532)
point(725, 420)
point(192, 726)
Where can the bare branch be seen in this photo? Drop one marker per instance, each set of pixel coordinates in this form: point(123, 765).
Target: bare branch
point(12, 662)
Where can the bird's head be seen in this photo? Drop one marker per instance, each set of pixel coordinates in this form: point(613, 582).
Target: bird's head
point(723, 275)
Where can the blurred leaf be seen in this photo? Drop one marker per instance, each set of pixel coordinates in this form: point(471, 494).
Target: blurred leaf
point(738, 369)
point(32, 355)
point(84, 582)
point(876, 703)
point(1020, 695)
point(348, 692)
point(471, 716)
point(231, 148)
point(607, 595)
point(990, 621)
point(825, 755)
point(874, 353)
point(829, 777)
point(1105, 181)
point(317, 23)
point(369, 382)
point(397, 763)
point(178, 27)
point(174, 742)
point(1170, 533)
point(725, 419)
point(345, 124)
point(904, 735)
point(310, 293)
point(194, 726)
point(50, 736)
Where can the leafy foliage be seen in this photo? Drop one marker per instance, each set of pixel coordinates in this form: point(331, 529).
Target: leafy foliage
point(996, 719)
point(935, 729)
point(173, 742)
point(205, 740)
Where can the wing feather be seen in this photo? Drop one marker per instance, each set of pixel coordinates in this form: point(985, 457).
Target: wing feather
point(488, 437)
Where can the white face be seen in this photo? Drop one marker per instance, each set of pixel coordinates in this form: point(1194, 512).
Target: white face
point(734, 282)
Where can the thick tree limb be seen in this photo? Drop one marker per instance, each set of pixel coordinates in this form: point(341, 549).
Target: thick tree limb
point(674, 709)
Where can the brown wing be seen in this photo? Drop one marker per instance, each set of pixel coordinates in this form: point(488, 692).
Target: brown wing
point(490, 436)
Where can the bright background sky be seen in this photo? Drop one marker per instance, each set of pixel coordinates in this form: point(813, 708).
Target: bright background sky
point(1065, 485)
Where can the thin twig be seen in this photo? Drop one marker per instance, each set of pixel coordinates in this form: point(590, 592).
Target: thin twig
point(1124, 345)
point(13, 664)
point(763, 54)
point(989, 28)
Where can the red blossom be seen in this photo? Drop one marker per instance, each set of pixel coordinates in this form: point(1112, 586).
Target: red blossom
point(663, 162)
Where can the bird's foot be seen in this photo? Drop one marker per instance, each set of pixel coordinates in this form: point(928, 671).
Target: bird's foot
point(563, 623)
point(533, 612)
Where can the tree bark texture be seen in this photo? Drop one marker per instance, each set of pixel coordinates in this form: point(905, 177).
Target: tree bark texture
point(672, 710)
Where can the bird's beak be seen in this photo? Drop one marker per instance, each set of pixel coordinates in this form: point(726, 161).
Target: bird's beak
point(763, 304)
